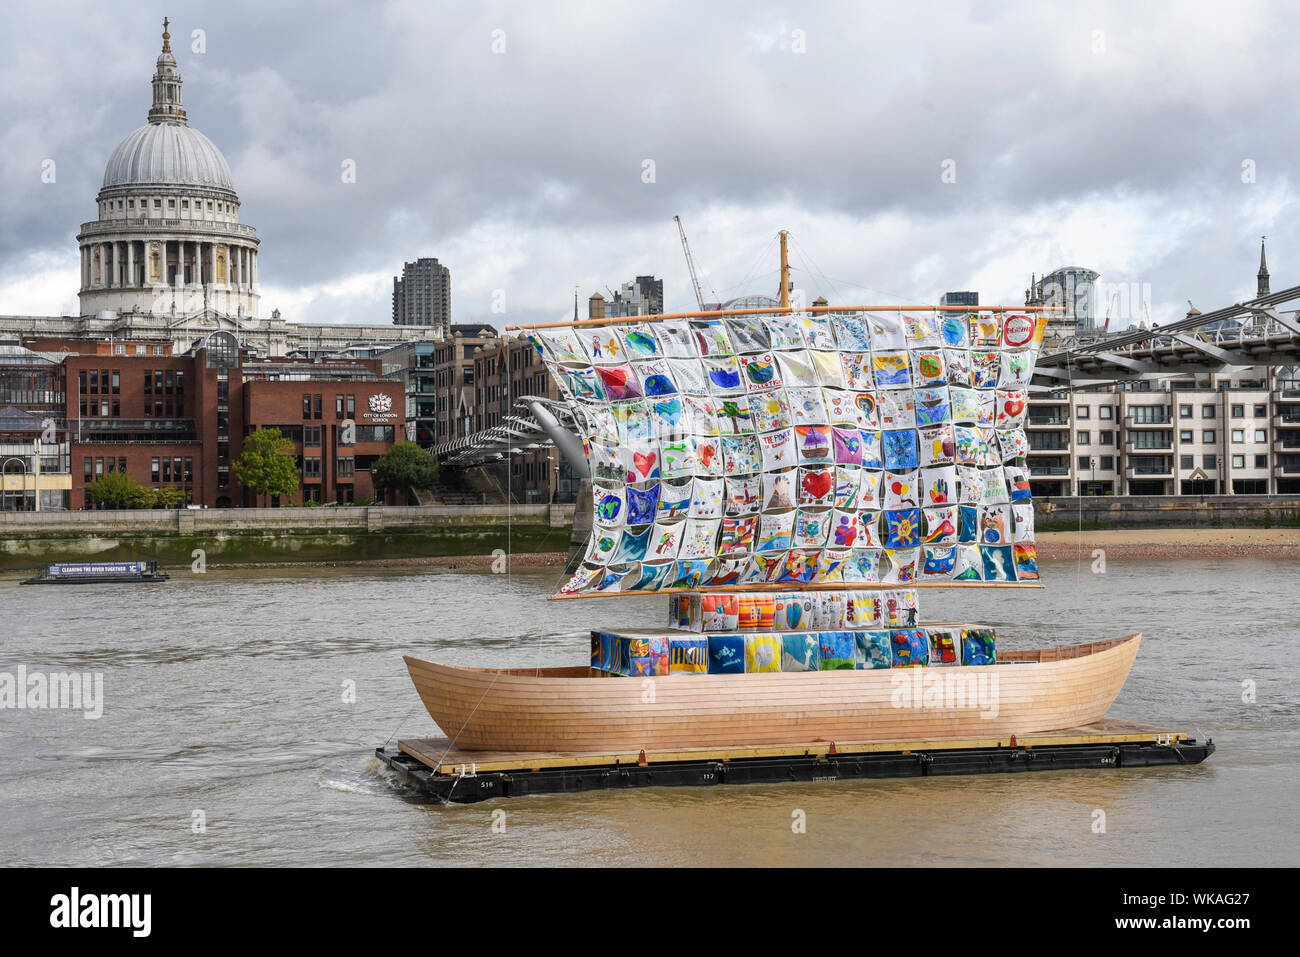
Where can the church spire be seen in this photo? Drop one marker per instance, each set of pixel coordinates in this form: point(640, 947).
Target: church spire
point(167, 85)
point(1262, 275)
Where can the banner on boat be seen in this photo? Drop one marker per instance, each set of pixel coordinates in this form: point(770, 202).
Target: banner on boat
point(794, 449)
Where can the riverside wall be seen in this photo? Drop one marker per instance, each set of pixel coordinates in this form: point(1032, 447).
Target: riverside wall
point(322, 535)
point(378, 533)
point(1166, 511)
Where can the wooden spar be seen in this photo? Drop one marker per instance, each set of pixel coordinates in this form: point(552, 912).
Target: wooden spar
point(776, 589)
point(722, 313)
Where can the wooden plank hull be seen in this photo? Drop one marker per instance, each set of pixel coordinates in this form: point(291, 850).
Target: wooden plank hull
point(566, 709)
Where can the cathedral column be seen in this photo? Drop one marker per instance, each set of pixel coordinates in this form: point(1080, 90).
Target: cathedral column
point(253, 253)
point(130, 263)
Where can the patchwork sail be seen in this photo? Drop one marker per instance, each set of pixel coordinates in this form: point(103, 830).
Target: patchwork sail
point(846, 449)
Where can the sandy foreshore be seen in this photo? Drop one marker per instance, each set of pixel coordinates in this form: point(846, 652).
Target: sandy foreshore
point(1173, 543)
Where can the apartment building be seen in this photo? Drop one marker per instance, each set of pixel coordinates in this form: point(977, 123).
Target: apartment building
point(1207, 435)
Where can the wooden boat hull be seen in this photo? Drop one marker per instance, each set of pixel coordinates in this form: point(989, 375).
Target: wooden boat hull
point(567, 709)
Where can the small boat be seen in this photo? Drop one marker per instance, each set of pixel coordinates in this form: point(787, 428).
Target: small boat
point(87, 573)
point(580, 709)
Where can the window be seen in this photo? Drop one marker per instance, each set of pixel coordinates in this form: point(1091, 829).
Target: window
point(352, 406)
point(311, 435)
point(117, 382)
point(1084, 438)
point(1239, 461)
point(121, 464)
point(1187, 462)
point(1239, 435)
point(1238, 411)
point(180, 385)
point(1207, 412)
point(1106, 438)
point(311, 466)
point(94, 382)
point(1261, 435)
point(1084, 463)
point(166, 470)
point(1148, 414)
point(153, 470)
point(1260, 411)
point(1083, 411)
point(141, 350)
point(157, 350)
point(1211, 461)
point(1207, 436)
point(1186, 436)
point(345, 467)
point(1105, 412)
point(1184, 411)
point(338, 406)
point(99, 467)
point(89, 465)
point(171, 382)
point(316, 406)
point(306, 406)
point(189, 469)
point(1261, 461)
point(1107, 462)
point(119, 349)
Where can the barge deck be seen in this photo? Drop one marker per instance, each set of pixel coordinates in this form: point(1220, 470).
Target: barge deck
point(436, 771)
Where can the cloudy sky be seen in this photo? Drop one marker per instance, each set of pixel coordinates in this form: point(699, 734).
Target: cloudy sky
point(1154, 142)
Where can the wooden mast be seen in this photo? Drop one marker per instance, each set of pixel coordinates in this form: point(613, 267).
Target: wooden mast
point(785, 271)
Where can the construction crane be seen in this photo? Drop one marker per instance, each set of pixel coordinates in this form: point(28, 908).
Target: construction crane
point(690, 263)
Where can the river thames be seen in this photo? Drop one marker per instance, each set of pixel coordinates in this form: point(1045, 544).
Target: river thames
point(227, 736)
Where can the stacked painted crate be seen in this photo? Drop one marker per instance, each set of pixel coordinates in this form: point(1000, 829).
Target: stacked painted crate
point(801, 631)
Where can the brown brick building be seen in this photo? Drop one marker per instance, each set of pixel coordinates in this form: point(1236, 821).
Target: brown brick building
point(180, 420)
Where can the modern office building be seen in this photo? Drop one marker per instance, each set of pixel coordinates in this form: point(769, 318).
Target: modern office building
point(439, 382)
point(959, 299)
point(422, 296)
point(1071, 288)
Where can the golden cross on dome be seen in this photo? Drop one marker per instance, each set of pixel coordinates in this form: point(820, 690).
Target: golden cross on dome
point(167, 37)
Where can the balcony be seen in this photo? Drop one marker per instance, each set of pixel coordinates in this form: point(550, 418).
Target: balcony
point(1150, 471)
point(1287, 469)
point(1162, 445)
point(1287, 443)
point(1164, 422)
point(1046, 470)
point(1047, 422)
point(1287, 418)
point(110, 430)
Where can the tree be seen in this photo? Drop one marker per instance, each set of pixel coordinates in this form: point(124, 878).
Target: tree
point(169, 496)
point(119, 490)
point(403, 467)
point(267, 465)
